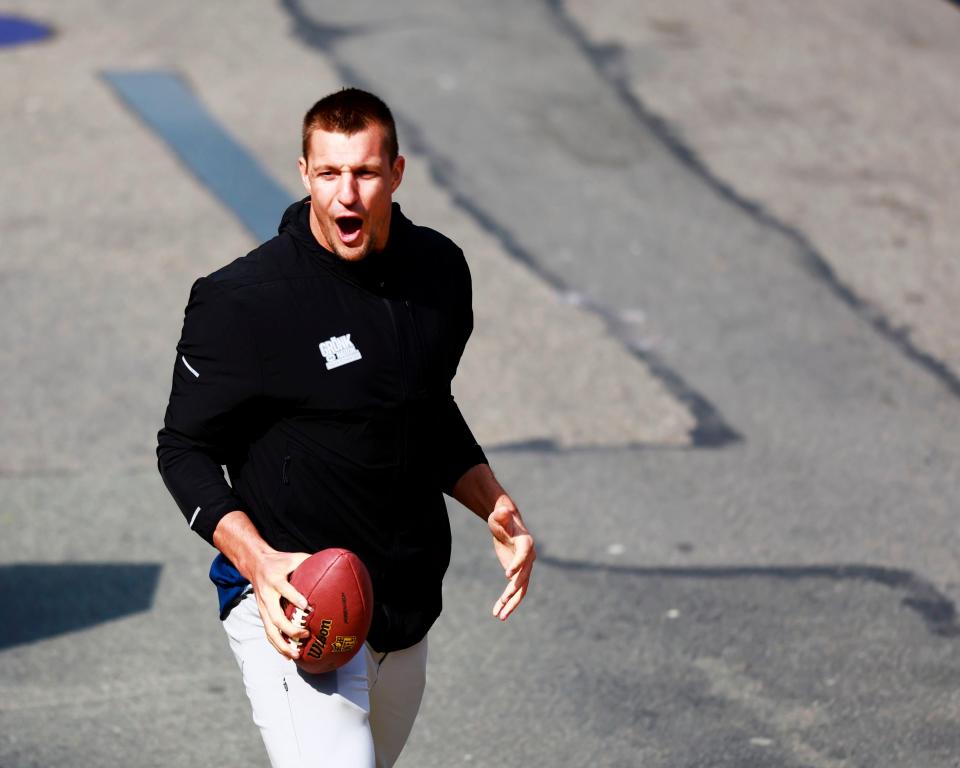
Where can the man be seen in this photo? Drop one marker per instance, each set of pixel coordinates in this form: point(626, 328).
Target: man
point(317, 369)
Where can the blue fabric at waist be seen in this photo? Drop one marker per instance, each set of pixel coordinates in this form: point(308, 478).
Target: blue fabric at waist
point(230, 584)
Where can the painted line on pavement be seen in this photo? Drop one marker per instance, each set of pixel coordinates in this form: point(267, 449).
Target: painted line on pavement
point(164, 102)
point(15, 30)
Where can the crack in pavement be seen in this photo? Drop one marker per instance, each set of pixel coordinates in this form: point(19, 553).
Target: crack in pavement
point(604, 61)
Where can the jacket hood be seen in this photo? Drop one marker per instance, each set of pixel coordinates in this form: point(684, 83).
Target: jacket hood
point(296, 222)
point(367, 272)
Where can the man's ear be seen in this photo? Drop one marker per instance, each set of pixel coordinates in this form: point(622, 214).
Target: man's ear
point(398, 165)
point(302, 165)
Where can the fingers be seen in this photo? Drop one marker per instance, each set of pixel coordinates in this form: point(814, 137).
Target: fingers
point(286, 589)
point(512, 603)
point(274, 632)
point(516, 589)
point(290, 563)
point(510, 599)
point(505, 598)
point(270, 595)
point(516, 582)
point(523, 552)
point(279, 619)
point(515, 549)
point(271, 590)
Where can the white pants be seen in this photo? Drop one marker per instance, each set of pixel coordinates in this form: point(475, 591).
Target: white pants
point(358, 716)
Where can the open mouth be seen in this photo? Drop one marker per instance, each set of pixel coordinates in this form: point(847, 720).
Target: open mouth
point(349, 228)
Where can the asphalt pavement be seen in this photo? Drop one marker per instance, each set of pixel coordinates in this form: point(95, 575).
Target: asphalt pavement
point(742, 486)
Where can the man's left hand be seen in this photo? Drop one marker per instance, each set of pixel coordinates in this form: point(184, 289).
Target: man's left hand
point(516, 551)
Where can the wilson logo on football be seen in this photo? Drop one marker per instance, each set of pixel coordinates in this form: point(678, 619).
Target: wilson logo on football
point(344, 643)
point(316, 648)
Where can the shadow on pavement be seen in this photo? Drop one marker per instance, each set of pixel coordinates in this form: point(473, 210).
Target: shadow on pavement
point(937, 611)
point(42, 600)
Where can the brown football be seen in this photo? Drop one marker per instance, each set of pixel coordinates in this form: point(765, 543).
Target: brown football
point(340, 598)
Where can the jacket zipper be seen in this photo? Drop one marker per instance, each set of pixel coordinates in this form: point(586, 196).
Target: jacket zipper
point(396, 333)
point(405, 427)
point(418, 372)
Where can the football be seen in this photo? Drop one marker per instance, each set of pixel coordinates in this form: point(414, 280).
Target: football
point(339, 594)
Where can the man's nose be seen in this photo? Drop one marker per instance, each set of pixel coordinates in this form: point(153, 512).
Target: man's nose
point(347, 189)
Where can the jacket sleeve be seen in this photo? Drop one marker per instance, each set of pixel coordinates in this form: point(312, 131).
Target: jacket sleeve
point(216, 381)
point(459, 450)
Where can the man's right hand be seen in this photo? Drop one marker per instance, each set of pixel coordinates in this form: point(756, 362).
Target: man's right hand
point(270, 582)
point(267, 571)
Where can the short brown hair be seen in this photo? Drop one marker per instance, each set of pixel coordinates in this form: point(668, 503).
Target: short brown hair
point(349, 111)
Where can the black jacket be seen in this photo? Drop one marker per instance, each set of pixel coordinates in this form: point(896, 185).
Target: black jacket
point(324, 388)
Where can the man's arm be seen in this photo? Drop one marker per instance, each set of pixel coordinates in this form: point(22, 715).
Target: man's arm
point(267, 570)
point(216, 384)
point(465, 475)
point(478, 490)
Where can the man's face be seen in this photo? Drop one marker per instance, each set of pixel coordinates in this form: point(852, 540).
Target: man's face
point(351, 183)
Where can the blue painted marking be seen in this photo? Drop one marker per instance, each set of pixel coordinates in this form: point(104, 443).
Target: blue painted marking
point(165, 103)
point(16, 31)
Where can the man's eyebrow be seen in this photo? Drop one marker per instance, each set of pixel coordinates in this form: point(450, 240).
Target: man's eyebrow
point(366, 165)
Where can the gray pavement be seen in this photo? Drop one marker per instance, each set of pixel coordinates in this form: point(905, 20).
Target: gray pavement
point(743, 492)
point(835, 119)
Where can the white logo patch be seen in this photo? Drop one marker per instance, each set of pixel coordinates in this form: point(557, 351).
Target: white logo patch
point(339, 350)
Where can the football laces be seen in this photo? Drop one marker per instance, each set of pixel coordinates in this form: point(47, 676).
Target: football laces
point(299, 618)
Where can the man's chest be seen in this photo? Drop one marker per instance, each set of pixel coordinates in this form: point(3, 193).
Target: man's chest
point(327, 345)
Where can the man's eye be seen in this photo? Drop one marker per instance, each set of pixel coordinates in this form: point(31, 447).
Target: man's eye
point(325, 174)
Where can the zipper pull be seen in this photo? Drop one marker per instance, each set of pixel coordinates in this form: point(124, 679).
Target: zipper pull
point(283, 472)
